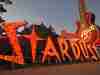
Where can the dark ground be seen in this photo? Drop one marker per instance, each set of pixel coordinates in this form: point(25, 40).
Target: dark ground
point(74, 69)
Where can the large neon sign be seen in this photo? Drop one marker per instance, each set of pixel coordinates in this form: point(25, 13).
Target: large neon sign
point(57, 49)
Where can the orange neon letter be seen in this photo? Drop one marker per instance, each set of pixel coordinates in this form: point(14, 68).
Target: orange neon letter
point(17, 56)
point(33, 40)
point(84, 49)
point(50, 50)
point(64, 50)
point(76, 50)
point(93, 52)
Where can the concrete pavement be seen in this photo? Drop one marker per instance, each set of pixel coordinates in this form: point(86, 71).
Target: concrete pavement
point(74, 69)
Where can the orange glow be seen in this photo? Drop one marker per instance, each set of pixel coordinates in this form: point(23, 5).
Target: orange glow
point(84, 49)
point(80, 48)
point(33, 40)
point(50, 50)
point(64, 51)
point(86, 34)
point(10, 30)
point(93, 52)
point(76, 51)
point(13, 59)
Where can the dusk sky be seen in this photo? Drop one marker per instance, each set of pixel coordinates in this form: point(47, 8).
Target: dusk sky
point(60, 13)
